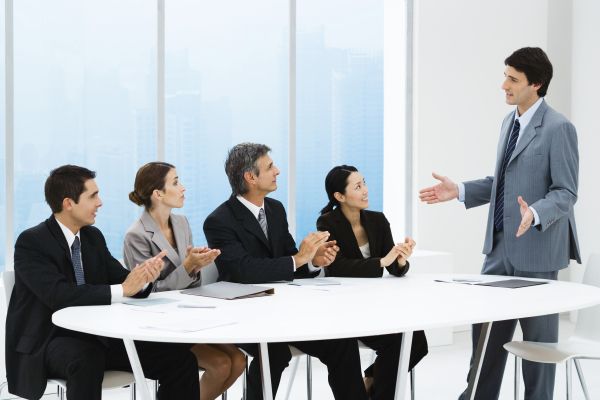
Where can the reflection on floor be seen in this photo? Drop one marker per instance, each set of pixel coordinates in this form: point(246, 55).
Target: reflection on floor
point(440, 376)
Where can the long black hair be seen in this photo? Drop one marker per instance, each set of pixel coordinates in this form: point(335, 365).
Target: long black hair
point(336, 181)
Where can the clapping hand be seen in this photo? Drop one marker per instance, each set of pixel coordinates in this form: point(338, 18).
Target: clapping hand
point(325, 254)
point(143, 273)
point(198, 257)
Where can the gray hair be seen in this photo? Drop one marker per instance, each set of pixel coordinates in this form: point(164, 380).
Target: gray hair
point(241, 159)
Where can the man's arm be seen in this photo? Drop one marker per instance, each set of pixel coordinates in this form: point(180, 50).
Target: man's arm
point(236, 263)
point(40, 271)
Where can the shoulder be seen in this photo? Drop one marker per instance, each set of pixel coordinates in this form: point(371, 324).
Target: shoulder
point(554, 119)
point(34, 233)
point(274, 203)
point(223, 211)
point(135, 233)
point(376, 216)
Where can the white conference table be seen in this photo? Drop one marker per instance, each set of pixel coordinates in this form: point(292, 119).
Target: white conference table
point(357, 307)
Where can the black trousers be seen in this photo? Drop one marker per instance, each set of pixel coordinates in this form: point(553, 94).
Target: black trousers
point(340, 356)
point(81, 360)
point(385, 369)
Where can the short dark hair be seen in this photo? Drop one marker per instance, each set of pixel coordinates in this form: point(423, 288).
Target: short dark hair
point(534, 63)
point(149, 177)
point(242, 158)
point(336, 181)
point(67, 181)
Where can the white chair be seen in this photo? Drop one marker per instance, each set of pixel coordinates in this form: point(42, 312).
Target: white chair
point(112, 379)
point(584, 344)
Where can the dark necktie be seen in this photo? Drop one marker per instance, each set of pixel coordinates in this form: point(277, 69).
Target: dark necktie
point(262, 220)
point(510, 147)
point(76, 259)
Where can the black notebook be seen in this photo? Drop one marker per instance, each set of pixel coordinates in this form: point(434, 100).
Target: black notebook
point(512, 283)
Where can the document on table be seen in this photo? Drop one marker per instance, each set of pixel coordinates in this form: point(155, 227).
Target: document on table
point(150, 301)
point(314, 282)
point(188, 325)
point(504, 283)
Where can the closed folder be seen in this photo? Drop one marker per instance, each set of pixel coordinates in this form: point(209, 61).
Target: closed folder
point(229, 290)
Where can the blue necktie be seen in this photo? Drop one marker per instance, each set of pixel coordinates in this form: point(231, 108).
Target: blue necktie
point(510, 147)
point(76, 259)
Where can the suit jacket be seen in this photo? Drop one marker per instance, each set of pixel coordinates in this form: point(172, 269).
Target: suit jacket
point(350, 261)
point(544, 169)
point(144, 239)
point(247, 256)
point(45, 283)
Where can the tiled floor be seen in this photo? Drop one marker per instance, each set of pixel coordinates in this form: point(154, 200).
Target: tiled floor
point(440, 376)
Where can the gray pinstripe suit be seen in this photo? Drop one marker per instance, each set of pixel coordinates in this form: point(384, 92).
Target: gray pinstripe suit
point(543, 169)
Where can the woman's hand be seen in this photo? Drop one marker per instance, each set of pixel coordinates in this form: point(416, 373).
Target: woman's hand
point(405, 250)
point(199, 257)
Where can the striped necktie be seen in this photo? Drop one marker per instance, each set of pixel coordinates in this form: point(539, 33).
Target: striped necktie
point(262, 220)
point(510, 147)
point(76, 259)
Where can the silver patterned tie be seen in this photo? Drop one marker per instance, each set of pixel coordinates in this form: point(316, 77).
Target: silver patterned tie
point(76, 259)
point(262, 220)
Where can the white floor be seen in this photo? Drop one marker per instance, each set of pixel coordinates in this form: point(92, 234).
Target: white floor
point(441, 375)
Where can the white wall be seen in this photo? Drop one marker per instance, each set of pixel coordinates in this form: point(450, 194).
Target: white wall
point(585, 108)
point(460, 51)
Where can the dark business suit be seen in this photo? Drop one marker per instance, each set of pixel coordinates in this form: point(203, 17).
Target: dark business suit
point(247, 256)
point(351, 263)
point(37, 349)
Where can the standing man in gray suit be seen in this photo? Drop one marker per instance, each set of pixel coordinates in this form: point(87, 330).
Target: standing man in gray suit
point(531, 226)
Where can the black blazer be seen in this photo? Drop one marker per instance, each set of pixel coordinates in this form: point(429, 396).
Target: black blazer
point(247, 256)
point(44, 283)
point(350, 261)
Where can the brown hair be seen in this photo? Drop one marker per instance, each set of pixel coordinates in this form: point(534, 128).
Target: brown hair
point(150, 177)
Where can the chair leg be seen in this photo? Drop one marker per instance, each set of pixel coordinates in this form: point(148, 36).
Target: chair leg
point(292, 377)
point(224, 395)
point(569, 388)
point(517, 376)
point(308, 377)
point(61, 391)
point(132, 391)
point(412, 384)
point(155, 389)
point(245, 383)
point(586, 394)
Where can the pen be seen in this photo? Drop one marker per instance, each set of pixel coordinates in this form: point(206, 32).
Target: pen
point(194, 306)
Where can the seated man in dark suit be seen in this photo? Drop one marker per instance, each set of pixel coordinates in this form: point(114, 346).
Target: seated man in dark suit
point(64, 262)
point(252, 233)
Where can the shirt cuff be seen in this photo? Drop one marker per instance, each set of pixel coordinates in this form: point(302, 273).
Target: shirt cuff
point(116, 294)
point(293, 264)
point(311, 267)
point(461, 192)
point(536, 217)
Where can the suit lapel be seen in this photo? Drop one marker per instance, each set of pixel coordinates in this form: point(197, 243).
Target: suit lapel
point(372, 233)
point(503, 142)
point(248, 221)
point(347, 233)
point(59, 236)
point(530, 130)
point(180, 239)
point(158, 238)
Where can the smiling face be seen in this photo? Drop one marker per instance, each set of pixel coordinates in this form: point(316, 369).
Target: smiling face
point(518, 91)
point(356, 194)
point(83, 213)
point(172, 195)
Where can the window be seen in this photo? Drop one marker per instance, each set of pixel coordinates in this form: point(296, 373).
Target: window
point(226, 83)
point(3, 243)
point(84, 94)
point(339, 99)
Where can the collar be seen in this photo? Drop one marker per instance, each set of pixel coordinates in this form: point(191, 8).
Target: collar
point(527, 115)
point(254, 209)
point(70, 236)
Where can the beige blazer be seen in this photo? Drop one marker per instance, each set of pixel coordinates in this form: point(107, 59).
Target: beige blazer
point(144, 240)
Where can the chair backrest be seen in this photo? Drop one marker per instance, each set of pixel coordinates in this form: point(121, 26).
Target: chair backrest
point(8, 279)
point(588, 319)
point(210, 274)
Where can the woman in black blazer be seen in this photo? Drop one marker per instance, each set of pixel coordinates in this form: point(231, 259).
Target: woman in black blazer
point(366, 247)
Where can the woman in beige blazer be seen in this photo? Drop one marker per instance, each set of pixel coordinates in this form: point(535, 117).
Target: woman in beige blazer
point(158, 189)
